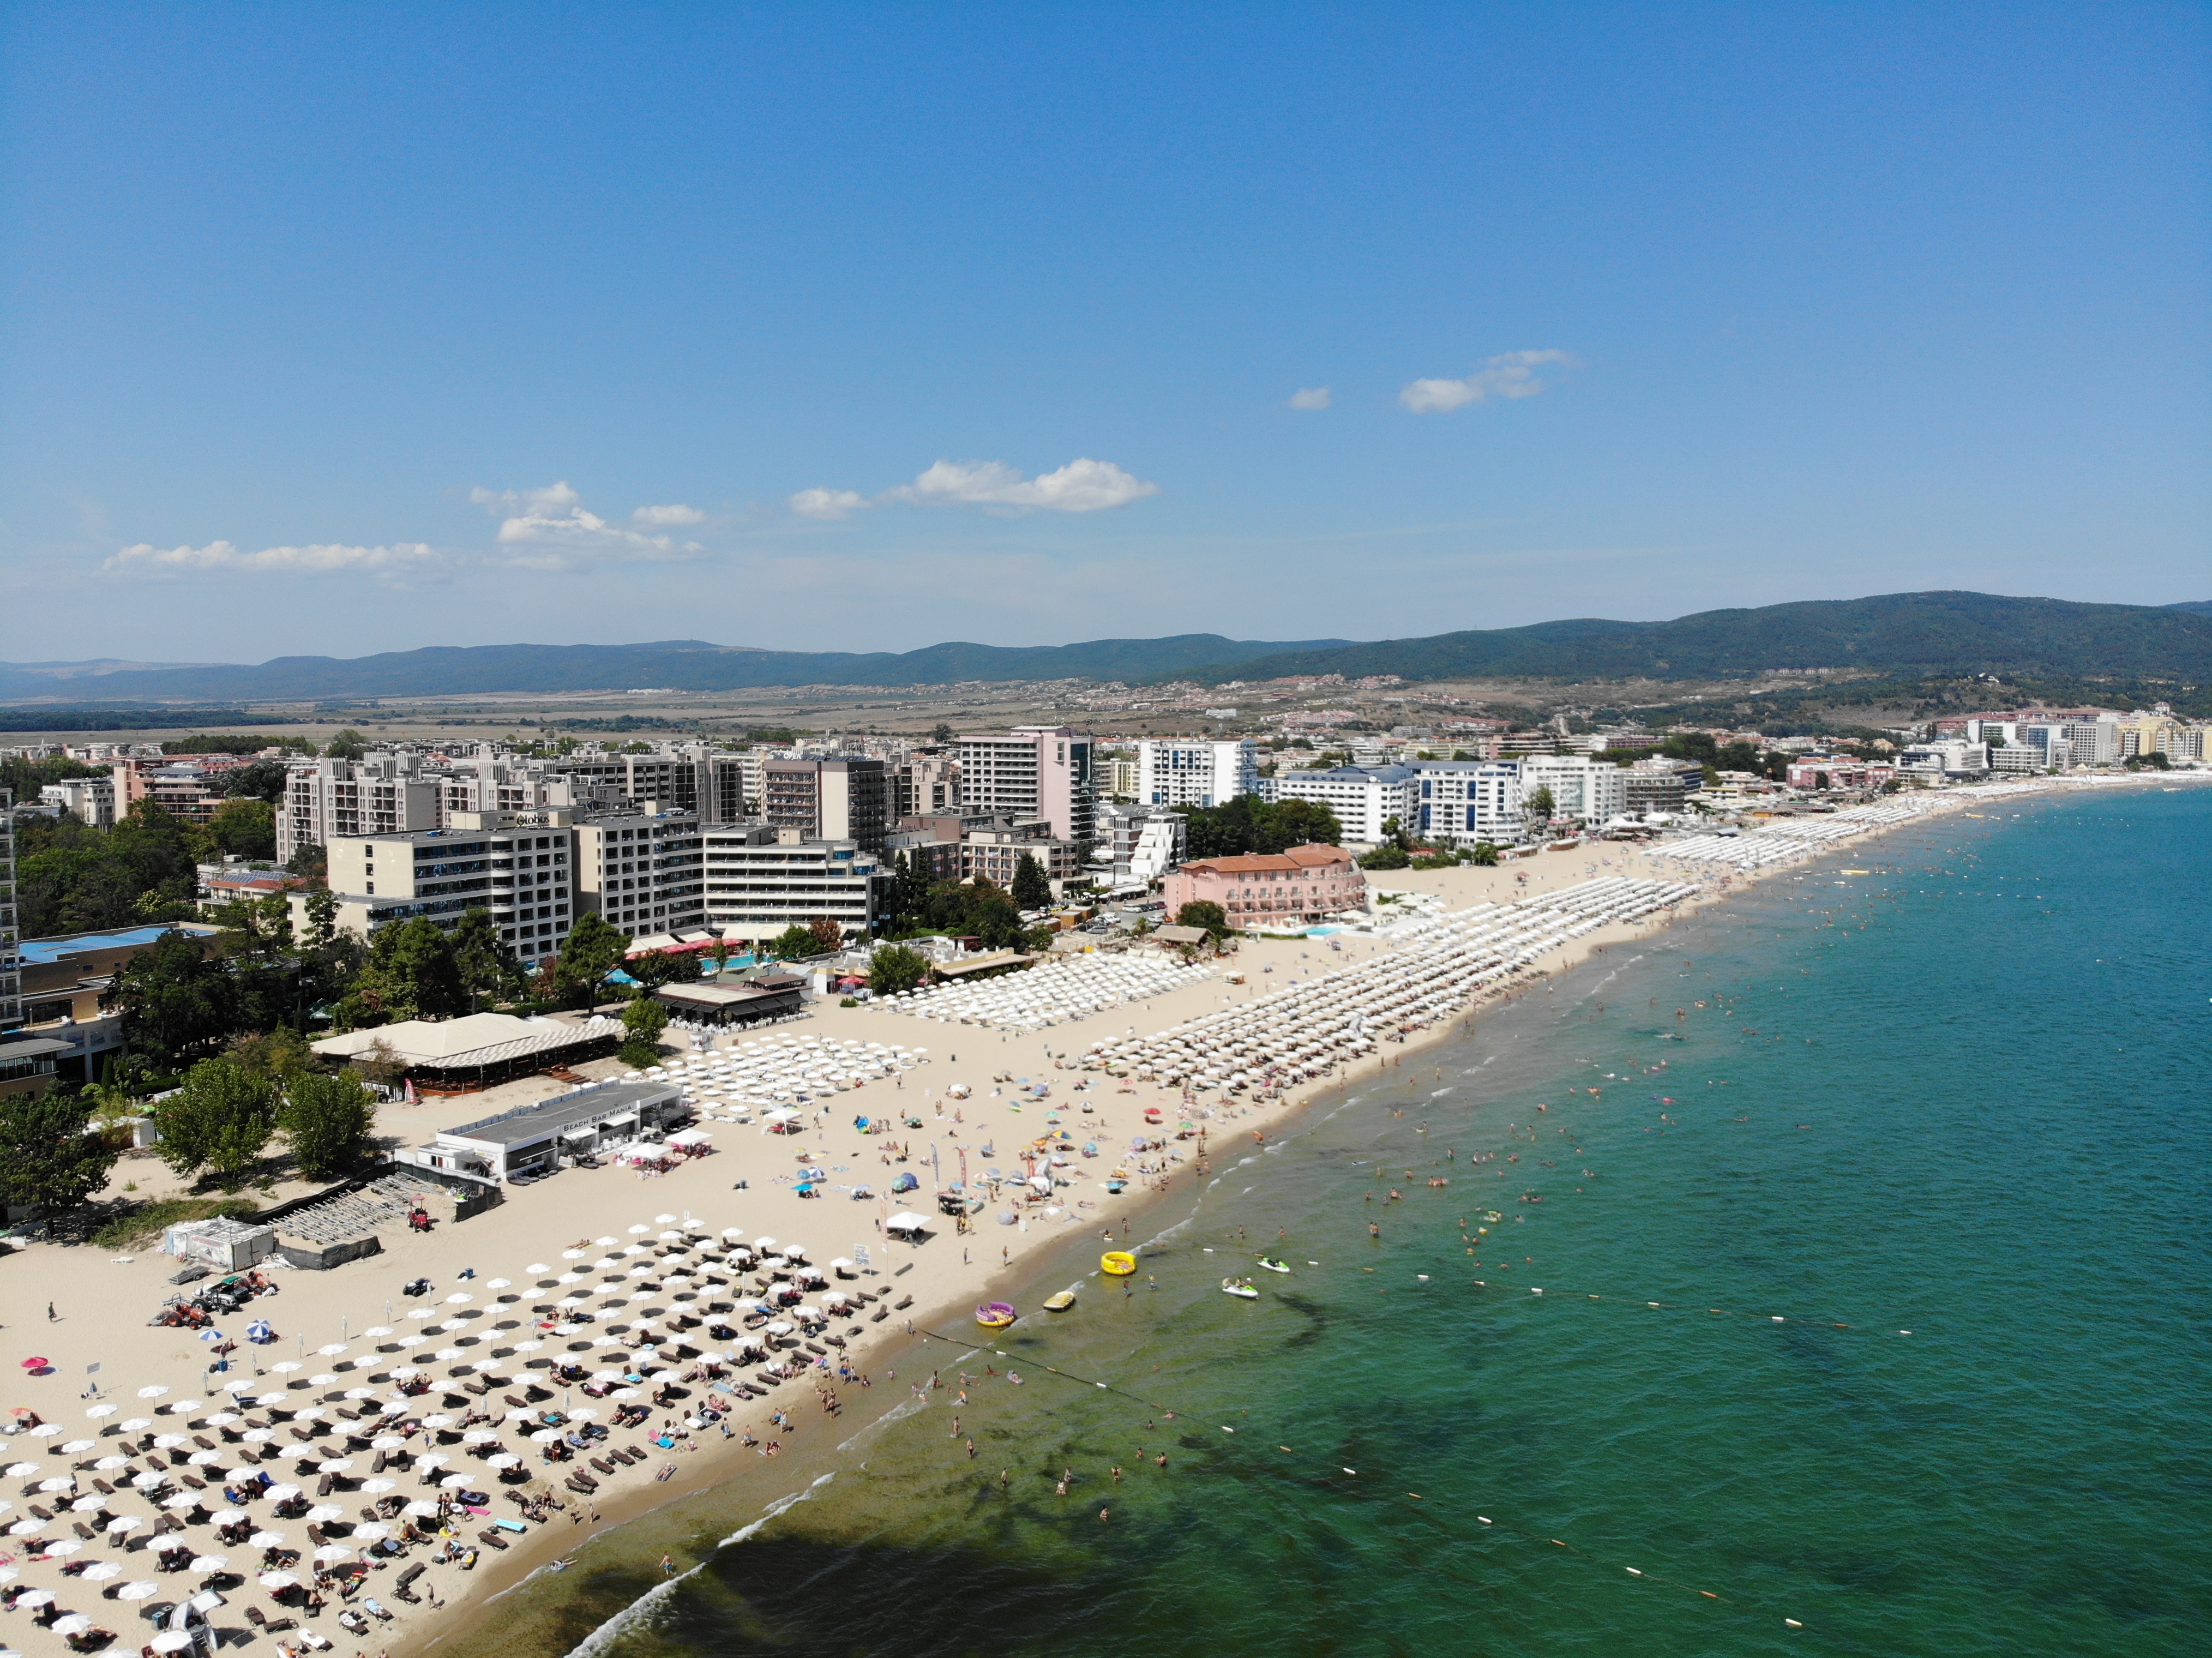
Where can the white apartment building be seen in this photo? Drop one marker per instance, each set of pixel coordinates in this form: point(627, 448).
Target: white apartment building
point(519, 869)
point(1175, 772)
point(1940, 760)
point(761, 880)
point(90, 801)
point(1364, 798)
point(328, 799)
point(1465, 801)
point(1140, 842)
point(642, 871)
point(1593, 791)
point(1033, 771)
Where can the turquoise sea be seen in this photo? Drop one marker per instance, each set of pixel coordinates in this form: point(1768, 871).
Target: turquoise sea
point(1965, 1095)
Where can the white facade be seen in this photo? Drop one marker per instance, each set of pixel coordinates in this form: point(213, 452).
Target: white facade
point(90, 801)
point(327, 799)
point(1947, 759)
point(1181, 773)
point(759, 881)
point(1463, 802)
point(1593, 791)
point(1364, 798)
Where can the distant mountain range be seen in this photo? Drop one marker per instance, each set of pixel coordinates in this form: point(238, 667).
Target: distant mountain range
point(1907, 632)
point(1903, 633)
point(685, 665)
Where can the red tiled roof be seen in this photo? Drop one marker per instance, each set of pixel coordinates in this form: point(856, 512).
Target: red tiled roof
point(1290, 862)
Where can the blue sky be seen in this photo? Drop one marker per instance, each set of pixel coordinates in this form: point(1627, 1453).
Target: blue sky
point(338, 329)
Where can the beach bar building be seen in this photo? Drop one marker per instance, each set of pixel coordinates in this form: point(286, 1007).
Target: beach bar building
point(534, 1139)
point(461, 1055)
point(749, 1002)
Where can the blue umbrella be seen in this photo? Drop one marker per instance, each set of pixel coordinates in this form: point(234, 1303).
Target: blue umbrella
point(211, 1335)
point(259, 1330)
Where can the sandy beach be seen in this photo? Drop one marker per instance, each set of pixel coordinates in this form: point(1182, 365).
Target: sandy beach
point(102, 1303)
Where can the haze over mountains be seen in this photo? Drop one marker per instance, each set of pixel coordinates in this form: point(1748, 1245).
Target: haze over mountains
point(1905, 632)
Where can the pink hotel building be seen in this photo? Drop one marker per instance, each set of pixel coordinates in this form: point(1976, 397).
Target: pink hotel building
point(1296, 887)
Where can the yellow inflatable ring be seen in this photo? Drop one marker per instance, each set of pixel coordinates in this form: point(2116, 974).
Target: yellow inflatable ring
point(1119, 1262)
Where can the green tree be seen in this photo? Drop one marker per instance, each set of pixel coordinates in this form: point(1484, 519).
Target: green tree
point(1540, 805)
point(47, 1160)
point(1484, 854)
point(1032, 891)
point(487, 966)
point(219, 1120)
point(894, 968)
point(1248, 824)
point(348, 744)
point(241, 828)
point(1204, 912)
point(1388, 855)
point(264, 780)
point(411, 974)
point(644, 1019)
point(177, 1001)
point(278, 1057)
point(328, 1121)
point(594, 948)
point(310, 862)
point(718, 954)
point(656, 967)
point(795, 943)
point(71, 877)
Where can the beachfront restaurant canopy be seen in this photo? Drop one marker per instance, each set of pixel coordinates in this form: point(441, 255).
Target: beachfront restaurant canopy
point(477, 1049)
point(748, 1002)
point(531, 1139)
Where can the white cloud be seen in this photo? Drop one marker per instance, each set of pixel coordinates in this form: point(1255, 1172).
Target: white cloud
point(403, 558)
point(827, 503)
point(1310, 397)
point(661, 517)
point(1081, 486)
point(1512, 375)
point(567, 536)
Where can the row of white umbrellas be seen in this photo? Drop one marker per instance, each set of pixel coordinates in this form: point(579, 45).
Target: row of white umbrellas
point(1058, 990)
point(1302, 1030)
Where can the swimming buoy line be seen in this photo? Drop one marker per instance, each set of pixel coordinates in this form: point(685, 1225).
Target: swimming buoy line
point(1641, 1574)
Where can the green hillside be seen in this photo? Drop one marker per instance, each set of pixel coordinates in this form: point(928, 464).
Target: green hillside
point(1916, 633)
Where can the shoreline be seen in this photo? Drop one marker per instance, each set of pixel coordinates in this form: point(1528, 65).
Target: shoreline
point(943, 1292)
